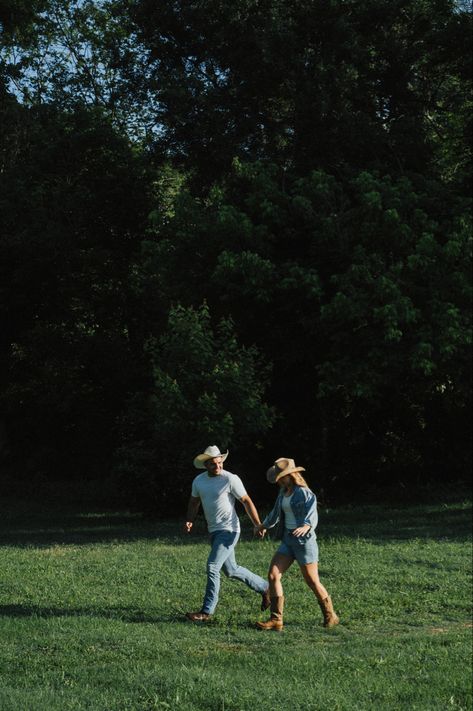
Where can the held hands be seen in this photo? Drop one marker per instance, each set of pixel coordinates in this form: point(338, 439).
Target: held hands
point(259, 530)
point(301, 531)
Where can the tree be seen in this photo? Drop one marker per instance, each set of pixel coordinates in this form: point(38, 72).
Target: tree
point(78, 53)
point(73, 198)
point(205, 388)
point(342, 86)
point(302, 169)
point(359, 295)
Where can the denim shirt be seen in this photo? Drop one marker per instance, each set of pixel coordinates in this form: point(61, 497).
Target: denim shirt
point(304, 508)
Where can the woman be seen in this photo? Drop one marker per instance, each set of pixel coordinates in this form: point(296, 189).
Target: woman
point(295, 515)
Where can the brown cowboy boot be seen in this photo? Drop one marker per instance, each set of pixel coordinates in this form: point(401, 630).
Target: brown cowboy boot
point(265, 600)
point(198, 616)
point(275, 621)
point(330, 617)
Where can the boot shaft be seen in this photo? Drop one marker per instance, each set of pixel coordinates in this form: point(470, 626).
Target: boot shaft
point(330, 617)
point(277, 608)
point(275, 621)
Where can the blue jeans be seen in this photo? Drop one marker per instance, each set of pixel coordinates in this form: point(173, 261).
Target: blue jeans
point(222, 556)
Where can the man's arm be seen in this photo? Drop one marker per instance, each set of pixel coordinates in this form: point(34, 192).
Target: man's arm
point(253, 515)
point(192, 510)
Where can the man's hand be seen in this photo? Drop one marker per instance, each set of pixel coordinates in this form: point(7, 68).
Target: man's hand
point(192, 510)
point(250, 509)
point(259, 530)
point(301, 531)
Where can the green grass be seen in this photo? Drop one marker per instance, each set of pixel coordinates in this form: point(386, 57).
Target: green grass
point(92, 616)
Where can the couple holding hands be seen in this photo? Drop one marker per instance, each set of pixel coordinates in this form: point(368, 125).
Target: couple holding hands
point(294, 516)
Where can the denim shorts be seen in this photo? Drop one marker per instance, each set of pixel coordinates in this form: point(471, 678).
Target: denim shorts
point(304, 550)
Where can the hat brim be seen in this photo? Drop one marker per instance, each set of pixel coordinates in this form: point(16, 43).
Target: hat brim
point(199, 461)
point(291, 470)
point(274, 473)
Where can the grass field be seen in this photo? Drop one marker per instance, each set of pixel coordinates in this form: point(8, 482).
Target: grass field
point(92, 616)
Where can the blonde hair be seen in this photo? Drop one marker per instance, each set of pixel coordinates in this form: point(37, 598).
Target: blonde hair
point(299, 479)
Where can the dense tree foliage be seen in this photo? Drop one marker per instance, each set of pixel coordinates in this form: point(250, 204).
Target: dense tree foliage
point(204, 388)
point(342, 85)
point(73, 199)
point(246, 223)
point(335, 281)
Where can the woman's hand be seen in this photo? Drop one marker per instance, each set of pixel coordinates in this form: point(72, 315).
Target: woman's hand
point(259, 530)
point(301, 531)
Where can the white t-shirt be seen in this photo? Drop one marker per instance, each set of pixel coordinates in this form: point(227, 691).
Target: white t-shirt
point(289, 518)
point(217, 495)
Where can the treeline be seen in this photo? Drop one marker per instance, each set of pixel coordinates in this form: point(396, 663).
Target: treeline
point(245, 223)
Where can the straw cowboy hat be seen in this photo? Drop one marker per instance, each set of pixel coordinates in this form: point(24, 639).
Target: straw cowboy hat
point(210, 453)
point(280, 468)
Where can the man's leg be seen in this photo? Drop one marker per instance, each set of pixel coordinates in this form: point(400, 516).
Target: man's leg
point(223, 543)
point(237, 572)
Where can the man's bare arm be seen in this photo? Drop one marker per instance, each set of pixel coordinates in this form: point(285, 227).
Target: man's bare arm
point(192, 510)
point(250, 509)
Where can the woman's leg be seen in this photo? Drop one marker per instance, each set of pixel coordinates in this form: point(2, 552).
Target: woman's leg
point(310, 571)
point(278, 566)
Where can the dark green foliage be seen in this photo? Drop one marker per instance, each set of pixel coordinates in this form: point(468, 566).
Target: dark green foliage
point(341, 85)
point(205, 388)
point(18, 16)
point(73, 198)
point(360, 296)
point(283, 185)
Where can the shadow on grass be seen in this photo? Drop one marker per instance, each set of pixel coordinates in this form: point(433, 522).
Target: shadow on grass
point(123, 614)
point(41, 529)
point(23, 526)
point(385, 524)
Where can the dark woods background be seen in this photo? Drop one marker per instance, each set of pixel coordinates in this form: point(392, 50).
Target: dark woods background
point(244, 223)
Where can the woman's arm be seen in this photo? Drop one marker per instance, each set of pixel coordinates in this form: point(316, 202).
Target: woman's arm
point(310, 518)
point(274, 515)
point(305, 510)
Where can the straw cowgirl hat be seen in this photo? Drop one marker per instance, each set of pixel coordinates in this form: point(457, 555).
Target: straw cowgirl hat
point(280, 468)
point(210, 453)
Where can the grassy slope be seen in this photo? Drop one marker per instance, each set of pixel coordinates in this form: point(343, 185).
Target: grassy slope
point(91, 617)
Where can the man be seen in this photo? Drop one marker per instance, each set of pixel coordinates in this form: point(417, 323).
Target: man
point(217, 490)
